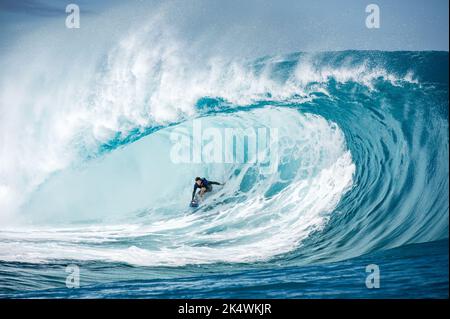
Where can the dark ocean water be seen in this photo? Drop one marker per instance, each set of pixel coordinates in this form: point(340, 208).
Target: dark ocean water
point(405, 272)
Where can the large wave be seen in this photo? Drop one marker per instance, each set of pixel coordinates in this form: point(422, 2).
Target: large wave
point(86, 170)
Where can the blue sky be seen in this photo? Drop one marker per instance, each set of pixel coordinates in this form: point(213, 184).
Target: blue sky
point(268, 27)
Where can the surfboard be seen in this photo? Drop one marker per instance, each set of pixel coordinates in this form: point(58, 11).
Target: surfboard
point(193, 204)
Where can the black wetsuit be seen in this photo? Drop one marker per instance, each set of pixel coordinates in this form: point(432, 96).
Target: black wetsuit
point(205, 183)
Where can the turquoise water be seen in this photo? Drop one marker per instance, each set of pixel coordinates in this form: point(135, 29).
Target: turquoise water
point(361, 178)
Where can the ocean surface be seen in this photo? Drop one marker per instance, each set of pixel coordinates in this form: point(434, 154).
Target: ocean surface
point(356, 174)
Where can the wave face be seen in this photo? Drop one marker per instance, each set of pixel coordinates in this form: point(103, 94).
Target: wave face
point(254, 217)
point(87, 172)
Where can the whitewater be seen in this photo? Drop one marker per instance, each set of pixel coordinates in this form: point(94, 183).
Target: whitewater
point(87, 176)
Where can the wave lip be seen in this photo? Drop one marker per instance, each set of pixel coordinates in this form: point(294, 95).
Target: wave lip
point(132, 89)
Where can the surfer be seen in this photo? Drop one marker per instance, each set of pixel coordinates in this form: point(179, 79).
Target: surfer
point(204, 185)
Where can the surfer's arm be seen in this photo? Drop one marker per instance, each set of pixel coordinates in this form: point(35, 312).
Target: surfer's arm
point(193, 192)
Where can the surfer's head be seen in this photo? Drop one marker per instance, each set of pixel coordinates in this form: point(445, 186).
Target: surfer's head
point(198, 181)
